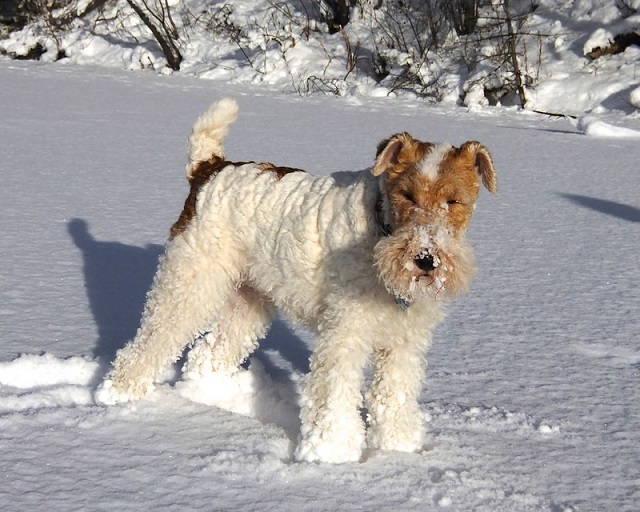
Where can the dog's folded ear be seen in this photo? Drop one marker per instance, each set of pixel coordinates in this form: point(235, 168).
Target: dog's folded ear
point(388, 154)
point(483, 162)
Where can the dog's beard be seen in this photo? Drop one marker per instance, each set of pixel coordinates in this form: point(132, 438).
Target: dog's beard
point(403, 258)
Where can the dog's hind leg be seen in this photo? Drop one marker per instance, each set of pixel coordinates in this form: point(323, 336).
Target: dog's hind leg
point(189, 289)
point(241, 324)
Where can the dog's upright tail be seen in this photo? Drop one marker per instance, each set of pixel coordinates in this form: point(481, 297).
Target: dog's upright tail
point(209, 131)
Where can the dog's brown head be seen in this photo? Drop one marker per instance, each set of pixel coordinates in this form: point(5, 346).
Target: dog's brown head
point(429, 193)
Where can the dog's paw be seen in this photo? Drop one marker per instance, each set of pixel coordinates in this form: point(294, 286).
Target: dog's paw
point(398, 440)
point(314, 448)
point(407, 445)
point(108, 394)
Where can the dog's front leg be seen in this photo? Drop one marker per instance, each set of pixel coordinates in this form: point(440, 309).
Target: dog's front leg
point(332, 429)
point(395, 419)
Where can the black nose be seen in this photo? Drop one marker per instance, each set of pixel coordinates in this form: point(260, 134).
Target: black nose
point(425, 262)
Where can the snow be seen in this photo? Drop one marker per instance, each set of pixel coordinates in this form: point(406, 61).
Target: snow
point(603, 37)
point(634, 97)
point(592, 126)
point(531, 393)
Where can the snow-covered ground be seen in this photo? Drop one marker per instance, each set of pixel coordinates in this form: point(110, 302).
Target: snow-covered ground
point(533, 383)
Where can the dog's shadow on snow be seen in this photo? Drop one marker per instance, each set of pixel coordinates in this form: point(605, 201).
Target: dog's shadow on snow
point(117, 278)
point(618, 210)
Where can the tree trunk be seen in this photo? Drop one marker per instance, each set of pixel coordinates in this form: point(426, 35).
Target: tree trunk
point(166, 42)
point(513, 54)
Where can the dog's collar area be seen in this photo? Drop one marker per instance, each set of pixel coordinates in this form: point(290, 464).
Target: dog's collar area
point(402, 303)
point(383, 228)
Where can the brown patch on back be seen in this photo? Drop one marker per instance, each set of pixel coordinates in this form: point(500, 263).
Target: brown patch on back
point(279, 171)
point(207, 170)
point(202, 173)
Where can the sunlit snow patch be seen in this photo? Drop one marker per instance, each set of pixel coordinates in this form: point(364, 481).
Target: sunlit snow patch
point(485, 418)
point(250, 392)
point(46, 381)
point(594, 127)
point(32, 370)
point(35, 381)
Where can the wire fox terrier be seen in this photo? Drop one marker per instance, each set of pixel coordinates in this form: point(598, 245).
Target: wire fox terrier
point(366, 260)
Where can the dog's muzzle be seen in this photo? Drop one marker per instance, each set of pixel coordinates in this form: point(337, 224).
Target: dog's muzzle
point(425, 262)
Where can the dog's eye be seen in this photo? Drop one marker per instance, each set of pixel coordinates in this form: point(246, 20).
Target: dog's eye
point(453, 201)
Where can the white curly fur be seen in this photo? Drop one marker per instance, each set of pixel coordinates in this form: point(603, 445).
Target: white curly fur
point(304, 245)
point(209, 132)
